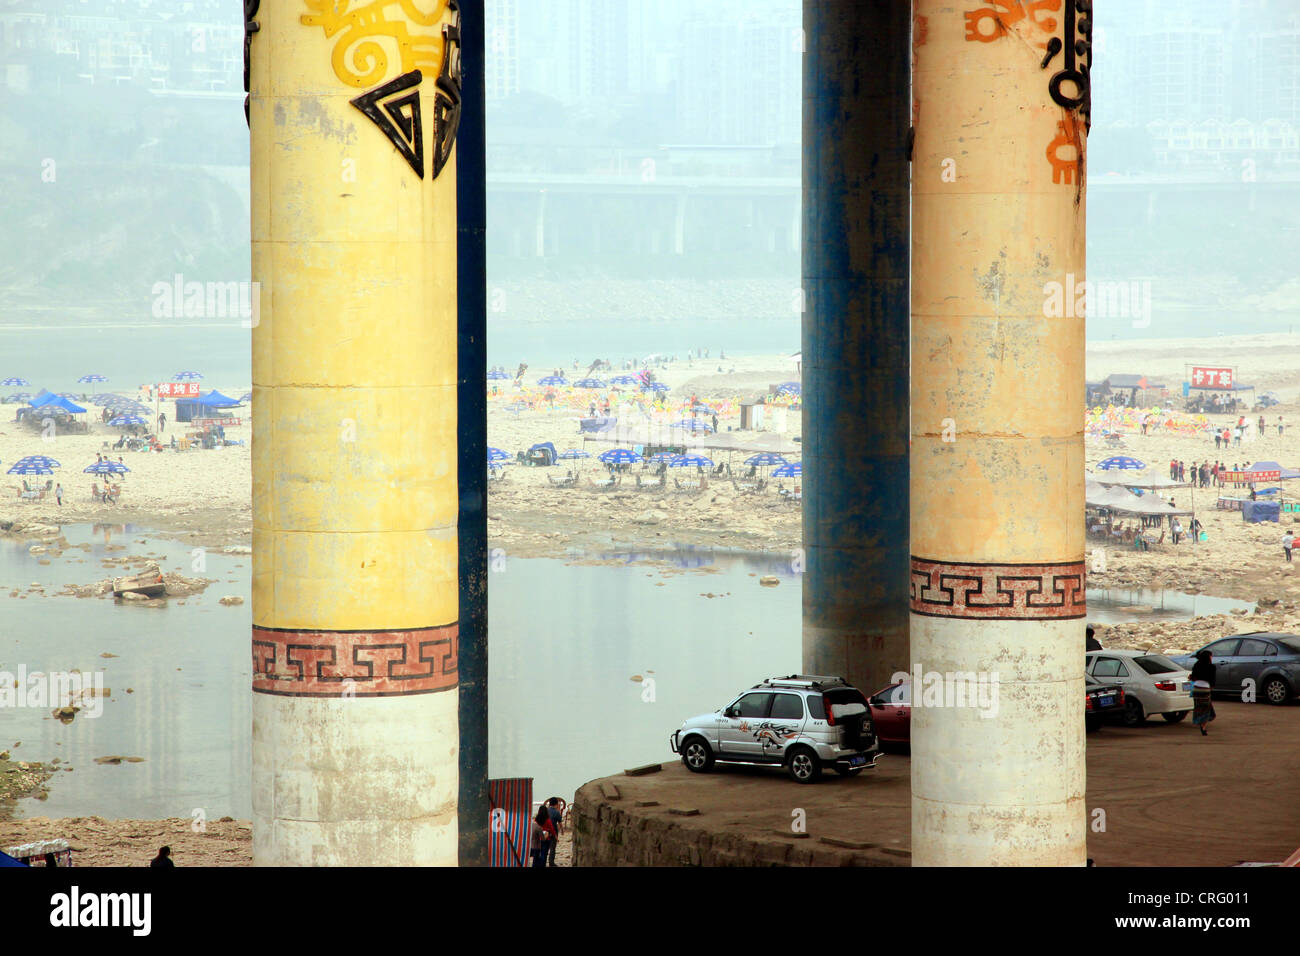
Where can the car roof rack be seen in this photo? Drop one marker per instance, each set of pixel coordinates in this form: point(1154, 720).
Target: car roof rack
point(809, 681)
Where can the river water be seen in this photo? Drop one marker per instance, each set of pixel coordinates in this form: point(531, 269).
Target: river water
point(594, 660)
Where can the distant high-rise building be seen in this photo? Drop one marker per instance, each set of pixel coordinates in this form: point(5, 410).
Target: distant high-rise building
point(501, 76)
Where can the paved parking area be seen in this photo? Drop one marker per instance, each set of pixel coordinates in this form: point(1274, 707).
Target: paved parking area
point(1170, 797)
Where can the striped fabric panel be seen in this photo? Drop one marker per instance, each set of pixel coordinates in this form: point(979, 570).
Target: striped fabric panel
point(511, 802)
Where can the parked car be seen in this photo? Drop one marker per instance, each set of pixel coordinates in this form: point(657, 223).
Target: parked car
point(1104, 703)
point(1153, 684)
point(1271, 659)
point(891, 709)
point(802, 723)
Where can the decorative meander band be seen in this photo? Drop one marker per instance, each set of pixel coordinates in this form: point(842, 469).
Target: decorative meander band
point(294, 663)
point(1007, 592)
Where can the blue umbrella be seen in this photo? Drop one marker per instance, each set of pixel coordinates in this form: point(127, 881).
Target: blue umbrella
point(791, 469)
point(30, 468)
point(690, 461)
point(693, 425)
point(625, 380)
point(789, 388)
point(496, 375)
point(589, 383)
point(703, 409)
point(40, 460)
point(1121, 463)
point(106, 468)
point(496, 454)
point(20, 397)
point(620, 456)
point(122, 420)
point(657, 387)
point(186, 377)
point(573, 453)
point(663, 458)
point(552, 380)
point(765, 459)
point(86, 379)
point(15, 381)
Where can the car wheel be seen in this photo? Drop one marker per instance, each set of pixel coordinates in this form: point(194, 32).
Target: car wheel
point(1134, 716)
point(696, 755)
point(1175, 717)
point(1276, 690)
point(803, 766)
point(848, 771)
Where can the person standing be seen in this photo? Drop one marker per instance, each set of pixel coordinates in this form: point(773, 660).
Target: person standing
point(556, 814)
point(1218, 441)
point(715, 423)
point(1203, 673)
point(162, 421)
point(540, 832)
point(58, 496)
point(1288, 542)
point(1176, 527)
point(1261, 426)
point(1279, 426)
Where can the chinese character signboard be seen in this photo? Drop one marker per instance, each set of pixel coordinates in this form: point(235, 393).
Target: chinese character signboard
point(1206, 377)
point(179, 390)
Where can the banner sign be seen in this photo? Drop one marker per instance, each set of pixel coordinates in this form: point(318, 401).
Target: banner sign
point(179, 390)
point(225, 422)
point(1207, 377)
point(1251, 477)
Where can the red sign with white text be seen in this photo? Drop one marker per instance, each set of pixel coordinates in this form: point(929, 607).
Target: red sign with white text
point(1207, 377)
point(179, 390)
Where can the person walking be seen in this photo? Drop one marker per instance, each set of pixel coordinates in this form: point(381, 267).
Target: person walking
point(58, 496)
point(1279, 426)
point(162, 421)
point(538, 835)
point(1176, 528)
point(1288, 542)
point(1218, 441)
point(1203, 672)
point(1261, 426)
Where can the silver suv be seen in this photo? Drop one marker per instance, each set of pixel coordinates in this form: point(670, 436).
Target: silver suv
point(801, 722)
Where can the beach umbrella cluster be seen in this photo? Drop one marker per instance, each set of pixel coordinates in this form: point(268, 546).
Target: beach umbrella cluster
point(15, 381)
point(20, 397)
point(496, 375)
point(659, 387)
point(553, 380)
point(122, 421)
point(92, 378)
point(188, 376)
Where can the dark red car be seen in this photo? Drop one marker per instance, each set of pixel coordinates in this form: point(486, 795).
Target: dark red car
point(891, 710)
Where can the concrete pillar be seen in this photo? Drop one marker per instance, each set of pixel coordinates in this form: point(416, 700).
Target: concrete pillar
point(355, 740)
point(855, 335)
point(997, 535)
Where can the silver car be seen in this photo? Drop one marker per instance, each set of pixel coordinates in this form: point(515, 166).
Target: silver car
point(801, 722)
point(1153, 684)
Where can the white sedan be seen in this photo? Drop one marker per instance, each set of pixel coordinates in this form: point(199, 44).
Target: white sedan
point(1153, 684)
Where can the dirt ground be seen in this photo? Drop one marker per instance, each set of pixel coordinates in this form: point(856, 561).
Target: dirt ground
point(1170, 797)
point(99, 842)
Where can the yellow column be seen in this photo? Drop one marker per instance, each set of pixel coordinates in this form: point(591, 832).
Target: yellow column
point(355, 736)
point(1000, 114)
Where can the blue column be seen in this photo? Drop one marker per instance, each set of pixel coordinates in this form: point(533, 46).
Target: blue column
point(856, 122)
point(471, 278)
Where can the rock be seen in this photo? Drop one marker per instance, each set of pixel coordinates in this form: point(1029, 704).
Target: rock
point(230, 600)
point(237, 549)
point(769, 580)
point(133, 596)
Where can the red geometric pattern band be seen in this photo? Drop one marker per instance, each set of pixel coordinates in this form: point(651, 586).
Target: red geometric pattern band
point(1007, 592)
point(292, 663)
